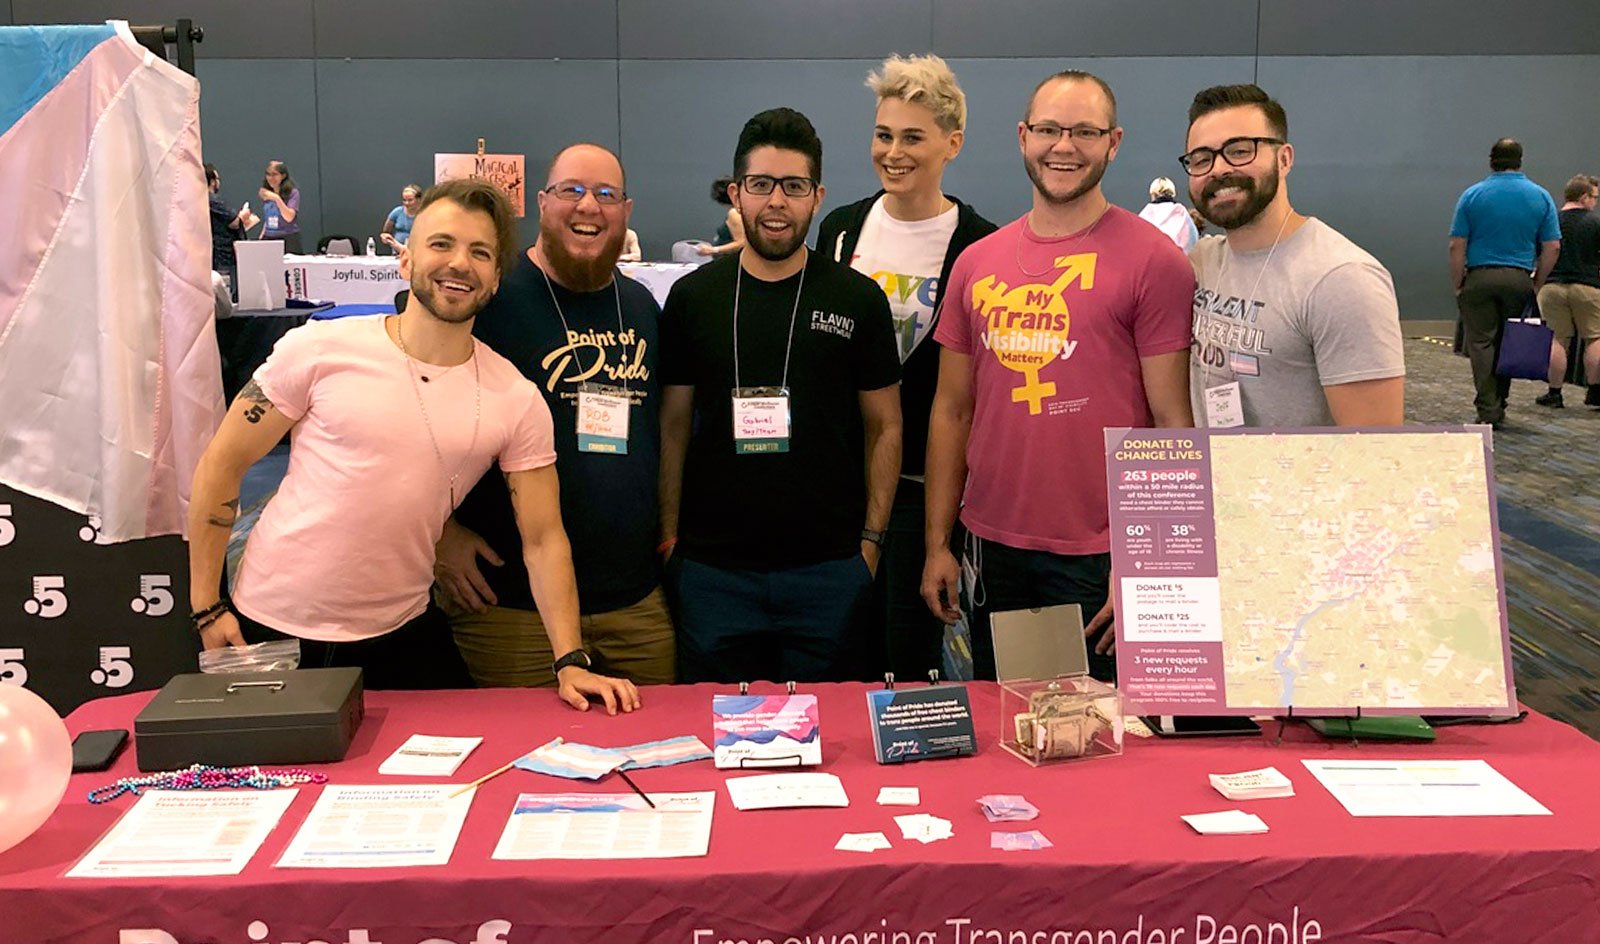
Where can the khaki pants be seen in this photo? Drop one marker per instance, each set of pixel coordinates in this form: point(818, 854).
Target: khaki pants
point(508, 648)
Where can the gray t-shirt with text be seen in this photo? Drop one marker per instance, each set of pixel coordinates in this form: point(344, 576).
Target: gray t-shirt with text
point(1320, 312)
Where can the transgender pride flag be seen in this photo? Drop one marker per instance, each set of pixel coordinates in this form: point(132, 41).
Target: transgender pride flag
point(109, 378)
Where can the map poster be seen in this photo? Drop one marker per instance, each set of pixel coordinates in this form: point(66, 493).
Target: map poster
point(1321, 570)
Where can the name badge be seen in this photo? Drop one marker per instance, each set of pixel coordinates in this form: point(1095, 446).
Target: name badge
point(760, 420)
point(603, 419)
point(1224, 406)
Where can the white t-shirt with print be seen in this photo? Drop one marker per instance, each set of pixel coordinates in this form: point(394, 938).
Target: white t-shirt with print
point(905, 259)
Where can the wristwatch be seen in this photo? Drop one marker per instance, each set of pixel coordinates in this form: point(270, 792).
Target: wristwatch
point(575, 657)
point(876, 537)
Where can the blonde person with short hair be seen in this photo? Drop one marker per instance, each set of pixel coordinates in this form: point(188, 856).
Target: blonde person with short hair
point(905, 238)
point(1165, 213)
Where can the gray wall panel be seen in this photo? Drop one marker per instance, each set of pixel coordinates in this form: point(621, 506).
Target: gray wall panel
point(1084, 28)
point(740, 29)
point(1152, 102)
point(1429, 27)
point(1384, 146)
point(675, 141)
point(467, 29)
point(253, 111)
point(239, 29)
point(382, 121)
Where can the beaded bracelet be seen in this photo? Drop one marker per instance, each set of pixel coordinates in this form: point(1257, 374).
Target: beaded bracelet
point(203, 777)
point(209, 615)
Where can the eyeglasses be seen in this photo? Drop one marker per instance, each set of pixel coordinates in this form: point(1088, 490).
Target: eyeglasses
point(1236, 151)
point(1081, 134)
point(761, 185)
point(571, 192)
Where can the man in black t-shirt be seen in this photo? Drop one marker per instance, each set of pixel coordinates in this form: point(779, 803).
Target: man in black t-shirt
point(587, 336)
point(1570, 299)
point(780, 432)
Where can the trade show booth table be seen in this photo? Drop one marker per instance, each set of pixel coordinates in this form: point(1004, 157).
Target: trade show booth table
point(1124, 869)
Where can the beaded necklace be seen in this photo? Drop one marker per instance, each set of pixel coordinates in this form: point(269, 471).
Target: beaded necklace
point(203, 777)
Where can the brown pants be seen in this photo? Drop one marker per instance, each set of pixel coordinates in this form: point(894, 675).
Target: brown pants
point(508, 648)
point(1489, 296)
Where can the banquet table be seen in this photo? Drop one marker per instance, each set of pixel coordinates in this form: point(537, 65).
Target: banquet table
point(657, 276)
point(1123, 868)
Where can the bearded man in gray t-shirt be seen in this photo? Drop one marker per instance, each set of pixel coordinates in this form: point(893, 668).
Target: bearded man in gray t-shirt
point(1294, 325)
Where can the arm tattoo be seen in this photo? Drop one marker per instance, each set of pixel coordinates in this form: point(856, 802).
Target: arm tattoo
point(259, 402)
point(221, 521)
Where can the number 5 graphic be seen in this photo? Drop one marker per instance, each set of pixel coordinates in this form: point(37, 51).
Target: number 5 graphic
point(154, 599)
point(49, 599)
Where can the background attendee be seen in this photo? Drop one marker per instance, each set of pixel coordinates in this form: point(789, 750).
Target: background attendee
point(227, 224)
point(1168, 215)
point(570, 323)
point(729, 239)
point(1501, 224)
point(1069, 320)
point(1294, 324)
point(1570, 300)
point(397, 226)
point(280, 206)
point(774, 537)
point(630, 248)
point(905, 238)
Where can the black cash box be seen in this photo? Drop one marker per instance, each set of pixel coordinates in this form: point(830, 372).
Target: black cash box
point(299, 716)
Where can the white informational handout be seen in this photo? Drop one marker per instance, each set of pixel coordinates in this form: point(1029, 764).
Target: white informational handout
point(780, 791)
point(607, 826)
point(171, 832)
point(355, 827)
point(1423, 788)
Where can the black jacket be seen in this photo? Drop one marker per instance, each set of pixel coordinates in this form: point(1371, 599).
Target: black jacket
point(920, 374)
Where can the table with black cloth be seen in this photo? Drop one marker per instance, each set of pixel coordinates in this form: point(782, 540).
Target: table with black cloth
point(1123, 869)
point(245, 340)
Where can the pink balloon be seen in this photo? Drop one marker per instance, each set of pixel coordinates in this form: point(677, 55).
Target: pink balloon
point(35, 762)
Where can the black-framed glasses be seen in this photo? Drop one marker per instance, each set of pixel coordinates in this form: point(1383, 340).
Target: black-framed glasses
point(1236, 151)
point(1080, 134)
point(571, 191)
point(761, 185)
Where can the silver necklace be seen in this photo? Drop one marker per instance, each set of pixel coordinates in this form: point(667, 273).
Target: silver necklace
point(799, 290)
point(477, 409)
point(1022, 237)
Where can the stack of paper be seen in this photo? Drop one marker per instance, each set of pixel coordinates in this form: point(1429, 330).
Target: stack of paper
point(862, 842)
point(426, 756)
point(1226, 823)
point(924, 828)
point(1011, 842)
point(899, 796)
point(778, 791)
point(1263, 784)
point(1006, 807)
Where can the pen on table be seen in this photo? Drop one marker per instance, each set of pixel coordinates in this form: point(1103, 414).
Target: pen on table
point(629, 781)
point(497, 772)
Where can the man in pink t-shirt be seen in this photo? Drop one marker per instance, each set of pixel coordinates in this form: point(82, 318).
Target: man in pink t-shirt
point(393, 419)
point(1069, 320)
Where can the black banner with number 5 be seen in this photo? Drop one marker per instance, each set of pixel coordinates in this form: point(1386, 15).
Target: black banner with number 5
point(80, 619)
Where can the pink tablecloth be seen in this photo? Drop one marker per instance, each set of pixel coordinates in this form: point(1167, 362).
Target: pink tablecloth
point(1124, 868)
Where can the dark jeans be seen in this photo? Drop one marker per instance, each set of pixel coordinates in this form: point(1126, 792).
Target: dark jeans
point(420, 654)
point(1489, 296)
point(1011, 578)
point(913, 638)
point(790, 625)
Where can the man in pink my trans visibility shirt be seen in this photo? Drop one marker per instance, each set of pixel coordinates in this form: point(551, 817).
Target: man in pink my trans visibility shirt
point(393, 418)
point(1069, 320)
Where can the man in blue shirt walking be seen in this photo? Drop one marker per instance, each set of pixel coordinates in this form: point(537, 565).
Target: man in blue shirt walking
point(1503, 243)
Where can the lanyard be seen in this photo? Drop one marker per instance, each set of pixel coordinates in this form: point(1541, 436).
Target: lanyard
point(789, 346)
point(566, 330)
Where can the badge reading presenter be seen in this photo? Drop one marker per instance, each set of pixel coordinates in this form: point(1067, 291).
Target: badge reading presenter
point(760, 420)
point(603, 419)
